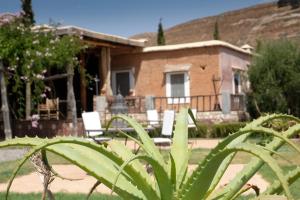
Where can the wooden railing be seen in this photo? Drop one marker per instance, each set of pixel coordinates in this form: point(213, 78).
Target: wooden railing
point(237, 102)
point(203, 103)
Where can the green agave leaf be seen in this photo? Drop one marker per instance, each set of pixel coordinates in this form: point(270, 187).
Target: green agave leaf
point(264, 156)
point(126, 154)
point(163, 180)
point(99, 166)
point(276, 187)
point(233, 139)
point(147, 143)
point(255, 164)
point(179, 148)
point(95, 159)
point(212, 167)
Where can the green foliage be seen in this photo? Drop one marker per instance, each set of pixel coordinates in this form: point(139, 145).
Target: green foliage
point(28, 56)
point(293, 3)
point(202, 131)
point(115, 166)
point(224, 129)
point(28, 15)
point(160, 34)
point(274, 76)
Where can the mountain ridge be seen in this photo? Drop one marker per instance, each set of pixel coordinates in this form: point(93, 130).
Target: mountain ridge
point(244, 26)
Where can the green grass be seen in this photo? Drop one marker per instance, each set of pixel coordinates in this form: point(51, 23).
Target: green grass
point(6, 168)
point(59, 196)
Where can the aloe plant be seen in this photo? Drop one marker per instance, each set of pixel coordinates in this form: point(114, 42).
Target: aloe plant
point(117, 167)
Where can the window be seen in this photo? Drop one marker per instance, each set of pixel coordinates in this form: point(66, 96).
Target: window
point(122, 81)
point(178, 87)
point(236, 83)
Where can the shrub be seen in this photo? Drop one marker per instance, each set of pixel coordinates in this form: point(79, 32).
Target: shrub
point(224, 129)
point(200, 132)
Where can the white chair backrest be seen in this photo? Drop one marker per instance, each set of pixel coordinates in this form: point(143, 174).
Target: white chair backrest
point(190, 121)
point(152, 117)
point(91, 121)
point(168, 122)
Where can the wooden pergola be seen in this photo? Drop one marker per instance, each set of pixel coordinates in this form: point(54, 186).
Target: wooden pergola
point(104, 46)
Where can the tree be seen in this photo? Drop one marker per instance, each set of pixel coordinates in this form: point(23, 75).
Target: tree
point(29, 54)
point(274, 77)
point(28, 15)
point(293, 3)
point(4, 106)
point(216, 31)
point(160, 34)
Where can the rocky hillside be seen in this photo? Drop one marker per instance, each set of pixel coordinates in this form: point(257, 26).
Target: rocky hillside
point(239, 27)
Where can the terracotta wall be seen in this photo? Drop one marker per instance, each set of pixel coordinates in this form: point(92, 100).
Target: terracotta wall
point(231, 60)
point(149, 69)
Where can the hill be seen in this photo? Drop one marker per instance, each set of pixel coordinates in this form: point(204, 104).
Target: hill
point(239, 27)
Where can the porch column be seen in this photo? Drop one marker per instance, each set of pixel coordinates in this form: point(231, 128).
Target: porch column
point(106, 70)
point(82, 83)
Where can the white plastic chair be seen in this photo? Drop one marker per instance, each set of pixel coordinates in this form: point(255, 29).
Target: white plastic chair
point(92, 127)
point(167, 128)
point(152, 118)
point(190, 121)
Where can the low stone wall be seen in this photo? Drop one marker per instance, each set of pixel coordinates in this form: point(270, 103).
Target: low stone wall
point(45, 129)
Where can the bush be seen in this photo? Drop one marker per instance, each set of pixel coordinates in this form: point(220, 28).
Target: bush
point(200, 132)
point(224, 129)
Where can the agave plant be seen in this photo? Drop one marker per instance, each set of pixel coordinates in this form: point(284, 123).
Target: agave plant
point(117, 167)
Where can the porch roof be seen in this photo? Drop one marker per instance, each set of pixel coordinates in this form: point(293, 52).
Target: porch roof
point(209, 43)
point(100, 36)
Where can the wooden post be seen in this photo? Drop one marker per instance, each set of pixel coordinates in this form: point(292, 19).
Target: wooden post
point(4, 107)
point(106, 70)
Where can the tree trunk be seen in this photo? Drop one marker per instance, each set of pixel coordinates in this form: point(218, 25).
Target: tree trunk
point(28, 100)
point(4, 107)
point(71, 102)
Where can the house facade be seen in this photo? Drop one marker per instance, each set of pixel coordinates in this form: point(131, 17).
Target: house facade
point(208, 76)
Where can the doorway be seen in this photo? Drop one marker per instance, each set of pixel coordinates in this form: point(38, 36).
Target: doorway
point(122, 82)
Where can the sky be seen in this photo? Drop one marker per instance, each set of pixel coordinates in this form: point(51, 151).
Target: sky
point(125, 17)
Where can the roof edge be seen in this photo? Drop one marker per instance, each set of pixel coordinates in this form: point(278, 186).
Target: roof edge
point(209, 43)
point(102, 36)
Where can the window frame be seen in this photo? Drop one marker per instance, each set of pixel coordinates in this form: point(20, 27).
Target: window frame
point(239, 88)
point(113, 79)
point(186, 98)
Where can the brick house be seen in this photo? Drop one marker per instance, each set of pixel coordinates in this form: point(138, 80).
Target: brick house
point(207, 76)
point(200, 74)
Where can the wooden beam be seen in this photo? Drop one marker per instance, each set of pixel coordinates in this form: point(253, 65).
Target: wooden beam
point(101, 44)
point(55, 77)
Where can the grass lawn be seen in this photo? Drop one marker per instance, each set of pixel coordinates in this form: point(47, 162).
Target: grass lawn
point(6, 168)
point(59, 196)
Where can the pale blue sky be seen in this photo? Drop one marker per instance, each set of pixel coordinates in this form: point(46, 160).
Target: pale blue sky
point(125, 17)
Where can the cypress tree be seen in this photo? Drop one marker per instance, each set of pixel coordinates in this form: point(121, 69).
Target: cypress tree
point(160, 34)
point(216, 31)
point(28, 15)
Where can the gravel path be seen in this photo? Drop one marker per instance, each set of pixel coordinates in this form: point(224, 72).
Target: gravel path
point(32, 182)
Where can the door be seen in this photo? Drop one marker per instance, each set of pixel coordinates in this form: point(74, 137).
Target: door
point(123, 83)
